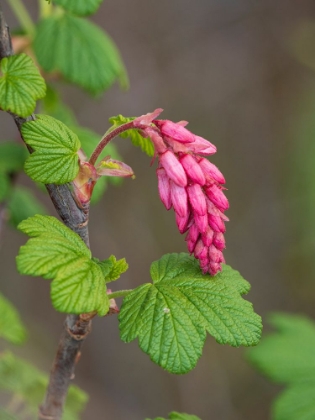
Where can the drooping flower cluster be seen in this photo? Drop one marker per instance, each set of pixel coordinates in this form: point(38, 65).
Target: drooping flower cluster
point(190, 184)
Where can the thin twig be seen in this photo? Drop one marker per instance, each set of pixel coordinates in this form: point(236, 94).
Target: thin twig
point(107, 138)
point(76, 327)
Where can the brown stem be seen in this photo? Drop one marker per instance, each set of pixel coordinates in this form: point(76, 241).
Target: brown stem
point(107, 138)
point(76, 327)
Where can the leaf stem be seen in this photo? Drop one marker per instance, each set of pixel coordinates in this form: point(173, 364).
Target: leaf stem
point(119, 293)
point(107, 138)
point(23, 16)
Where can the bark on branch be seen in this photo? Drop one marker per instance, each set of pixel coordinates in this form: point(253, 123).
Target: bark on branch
point(76, 327)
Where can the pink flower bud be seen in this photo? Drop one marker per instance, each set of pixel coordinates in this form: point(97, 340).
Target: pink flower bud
point(192, 169)
point(218, 240)
point(201, 251)
point(164, 188)
point(202, 146)
point(197, 199)
point(201, 222)
point(212, 209)
point(216, 223)
point(215, 194)
point(173, 168)
point(182, 222)
point(215, 254)
point(146, 120)
point(214, 268)
point(207, 237)
point(159, 145)
point(210, 170)
point(179, 200)
point(175, 131)
point(192, 237)
point(204, 264)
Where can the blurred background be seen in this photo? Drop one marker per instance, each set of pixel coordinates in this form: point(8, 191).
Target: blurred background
point(242, 72)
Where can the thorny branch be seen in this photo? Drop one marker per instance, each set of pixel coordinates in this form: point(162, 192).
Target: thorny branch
point(76, 327)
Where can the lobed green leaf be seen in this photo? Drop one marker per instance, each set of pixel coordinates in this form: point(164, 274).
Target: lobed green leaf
point(80, 7)
point(21, 85)
point(70, 45)
point(55, 159)
point(88, 138)
point(145, 144)
point(171, 316)
point(56, 252)
point(11, 326)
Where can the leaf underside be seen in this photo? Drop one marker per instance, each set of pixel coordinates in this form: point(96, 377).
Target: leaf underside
point(171, 316)
point(21, 85)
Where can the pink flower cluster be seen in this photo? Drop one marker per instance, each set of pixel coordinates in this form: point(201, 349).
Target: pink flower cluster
point(192, 186)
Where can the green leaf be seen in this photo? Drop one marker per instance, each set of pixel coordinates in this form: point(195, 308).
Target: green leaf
point(171, 316)
point(4, 186)
point(55, 159)
point(12, 156)
point(11, 326)
point(174, 415)
point(23, 204)
point(88, 138)
point(20, 85)
point(287, 356)
point(182, 416)
point(113, 269)
point(296, 403)
point(29, 384)
point(80, 7)
point(145, 144)
point(80, 51)
point(56, 252)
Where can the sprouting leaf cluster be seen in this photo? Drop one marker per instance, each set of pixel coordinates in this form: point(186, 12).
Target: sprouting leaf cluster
point(287, 357)
point(137, 139)
point(20, 380)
